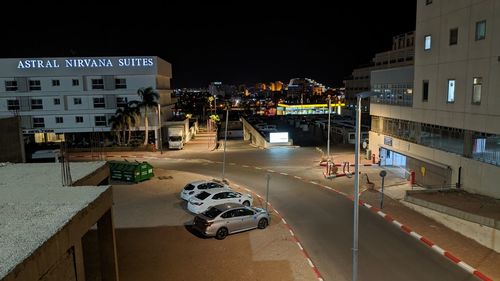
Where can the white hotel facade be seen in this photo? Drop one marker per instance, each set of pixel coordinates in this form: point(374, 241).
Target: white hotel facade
point(74, 96)
point(450, 133)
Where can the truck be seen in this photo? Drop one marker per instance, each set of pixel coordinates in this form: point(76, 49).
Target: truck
point(176, 137)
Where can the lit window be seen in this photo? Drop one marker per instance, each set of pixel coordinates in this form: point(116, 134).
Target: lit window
point(427, 42)
point(480, 30)
point(476, 90)
point(453, 36)
point(451, 90)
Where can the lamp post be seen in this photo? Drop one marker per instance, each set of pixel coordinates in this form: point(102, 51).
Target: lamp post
point(160, 137)
point(328, 142)
point(360, 96)
point(225, 140)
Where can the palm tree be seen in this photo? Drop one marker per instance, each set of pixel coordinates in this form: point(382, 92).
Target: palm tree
point(118, 124)
point(149, 98)
point(132, 114)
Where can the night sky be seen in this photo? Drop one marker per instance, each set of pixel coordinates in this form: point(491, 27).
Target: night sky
point(233, 42)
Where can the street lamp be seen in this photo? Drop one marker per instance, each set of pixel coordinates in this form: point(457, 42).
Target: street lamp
point(160, 137)
point(225, 140)
point(360, 96)
point(328, 142)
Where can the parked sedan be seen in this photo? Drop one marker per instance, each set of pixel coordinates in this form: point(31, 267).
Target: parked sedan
point(224, 219)
point(195, 187)
point(208, 198)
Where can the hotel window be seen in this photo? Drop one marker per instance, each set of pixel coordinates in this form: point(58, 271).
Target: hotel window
point(56, 83)
point(77, 100)
point(59, 120)
point(476, 89)
point(76, 82)
point(480, 30)
point(79, 119)
point(100, 120)
point(35, 85)
point(428, 2)
point(427, 42)
point(36, 104)
point(451, 91)
point(453, 36)
point(99, 103)
point(121, 83)
point(57, 101)
point(97, 84)
point(11, 86)
point(425, 90)
point(13, 104)
point(121, 101)
point(38, 122)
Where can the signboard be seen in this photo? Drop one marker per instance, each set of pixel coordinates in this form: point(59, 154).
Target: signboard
point(278, 137)
point(85, 62)
point(34, 131)
point(387, 140)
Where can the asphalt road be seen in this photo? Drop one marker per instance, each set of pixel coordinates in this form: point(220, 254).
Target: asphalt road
point(323, 220)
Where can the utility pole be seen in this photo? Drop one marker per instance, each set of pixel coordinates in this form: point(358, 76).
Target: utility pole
point(225, 140)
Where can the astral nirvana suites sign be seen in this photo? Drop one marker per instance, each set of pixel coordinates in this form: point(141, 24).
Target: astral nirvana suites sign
point(84, 63)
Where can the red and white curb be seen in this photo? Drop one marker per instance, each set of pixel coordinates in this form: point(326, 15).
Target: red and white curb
point(427, 242)
point(295, 239)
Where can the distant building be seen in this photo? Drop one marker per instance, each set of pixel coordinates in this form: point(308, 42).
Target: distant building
point(300, 89)
point(448, 133)
point(69, 98)
point(402, 54)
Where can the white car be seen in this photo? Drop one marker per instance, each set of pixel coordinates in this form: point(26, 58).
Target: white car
point(208, 198)
point(195, 187)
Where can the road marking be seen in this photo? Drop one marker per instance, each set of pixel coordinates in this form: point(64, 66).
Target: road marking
point(313, 182)
point(284, 174)
point(382, 214)
point(438, 249)
point(297, 177)
point(416, 235)
point(277, 212)
point(368, 206)
point(300, 246)
point(232, 164)
point(397, 223)
point(258, 168)
point(310, 262)
point(467, 267)
point(245, 166)
point(283, 220)
point(291, 232)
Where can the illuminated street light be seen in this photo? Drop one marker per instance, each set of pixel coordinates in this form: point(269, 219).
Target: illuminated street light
point(360, 96)
point(328, 142)
point(225, 140)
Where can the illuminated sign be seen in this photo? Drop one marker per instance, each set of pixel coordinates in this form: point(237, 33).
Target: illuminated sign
point(84, 63)
point(278, 137)
point(303, 106)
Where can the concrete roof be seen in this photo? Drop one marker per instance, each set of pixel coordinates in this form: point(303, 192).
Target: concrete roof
point(34, 206)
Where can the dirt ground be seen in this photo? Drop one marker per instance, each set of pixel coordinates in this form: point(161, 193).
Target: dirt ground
point(155, 241)
point(464, 201)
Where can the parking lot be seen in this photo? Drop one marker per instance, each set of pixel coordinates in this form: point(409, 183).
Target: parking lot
point(155, 241)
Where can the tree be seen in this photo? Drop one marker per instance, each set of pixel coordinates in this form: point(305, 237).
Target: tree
point(118, 124)
point(132, 117)
point(149, 98)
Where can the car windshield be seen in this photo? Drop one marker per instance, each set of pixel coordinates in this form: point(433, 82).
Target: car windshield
point(203, 195)
point(189, 187)
point(212, 212)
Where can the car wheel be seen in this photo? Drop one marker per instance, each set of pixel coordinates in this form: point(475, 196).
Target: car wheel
point(262, 224)
point(221, 233)
point(246, 203)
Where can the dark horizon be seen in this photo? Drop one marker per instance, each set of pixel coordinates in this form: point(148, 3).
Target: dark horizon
point(250, 45)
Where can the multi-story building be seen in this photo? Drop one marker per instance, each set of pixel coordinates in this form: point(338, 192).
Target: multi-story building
point(401, 54)
point(69, 98)
point(450, 135)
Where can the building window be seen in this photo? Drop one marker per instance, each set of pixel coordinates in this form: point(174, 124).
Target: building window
point(121, 83)
point(97, 84)
point(79, 119)
point(57, 101)
point(77, 100)
point(13, 104)
point(476, 89)
point(36, 104)
point(38, 122)
point(451, 91)
point(100, 120)
point(427, 42)
point(121, 101)
point(11, 86)
point(35, 85)
point(480, 30)
point(59, 120)
point(76, 82)
point(453, 36)
point(56, 83)
point(99, 103)
point(425, 90)
point(428, 2)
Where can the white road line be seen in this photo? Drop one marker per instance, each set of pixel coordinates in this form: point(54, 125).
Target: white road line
point(310, 262)
point(300, 246)
point(245, 166)
point(284, 174)
point(258, 168)
point(313, 182)
point(297, 177)
point(270, 171)
point(284, 221)
point(467, 267)
point(368, 205)
point(291, 232)
point(382, 214)
point(277, 212)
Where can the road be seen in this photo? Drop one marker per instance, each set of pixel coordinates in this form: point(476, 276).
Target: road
point(322, 220)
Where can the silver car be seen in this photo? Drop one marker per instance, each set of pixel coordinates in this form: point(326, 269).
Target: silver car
point(224, 219)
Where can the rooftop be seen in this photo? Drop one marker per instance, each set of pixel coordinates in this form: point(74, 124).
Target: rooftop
point(34, 206)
